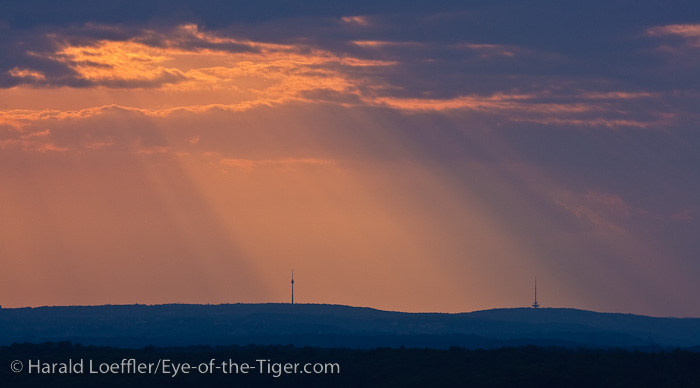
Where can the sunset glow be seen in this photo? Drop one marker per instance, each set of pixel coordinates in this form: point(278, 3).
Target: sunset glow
point(197, 161)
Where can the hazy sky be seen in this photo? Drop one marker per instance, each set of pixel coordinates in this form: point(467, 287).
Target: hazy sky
point(412, 156)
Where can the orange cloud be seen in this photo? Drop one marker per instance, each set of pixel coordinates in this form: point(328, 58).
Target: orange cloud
point(617, 95)
point(516, 105)
point(248, 165)
point(20, 118)
point(380, 43)
point(99, 145)
point(684, 30)
point(34, 141)
point(591, 122)
point(182, 63)
point(688, 31)
point(27, 73)
point(238, 75)
point(356, 20)
point(111, 62)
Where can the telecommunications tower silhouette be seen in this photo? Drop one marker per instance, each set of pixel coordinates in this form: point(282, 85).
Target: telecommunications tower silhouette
point(535, 305)
point(292, 286)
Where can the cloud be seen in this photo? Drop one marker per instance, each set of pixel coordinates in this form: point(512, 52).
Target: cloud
point(678, 45)
point(613, 204)
point(248, 165)
point(30, 76)
point(356, 20)
point(381, 64)
point(608, 214)
point(690, 32)
point(33, 142)
point(686, 215)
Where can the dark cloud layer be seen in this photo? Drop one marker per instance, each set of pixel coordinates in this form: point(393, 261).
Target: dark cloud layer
point(585, 42)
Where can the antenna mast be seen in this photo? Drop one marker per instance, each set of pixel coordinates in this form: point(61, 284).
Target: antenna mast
point(292, 286)
point(535, 305)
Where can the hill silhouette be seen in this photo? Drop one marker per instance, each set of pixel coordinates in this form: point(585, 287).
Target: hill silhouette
point(339, 326)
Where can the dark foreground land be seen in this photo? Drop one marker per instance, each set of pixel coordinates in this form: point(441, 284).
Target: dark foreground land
point(528, 366)
point(335, 326)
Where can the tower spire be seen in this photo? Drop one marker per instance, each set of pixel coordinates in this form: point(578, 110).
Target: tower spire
point(535, 305)
point(292, 286)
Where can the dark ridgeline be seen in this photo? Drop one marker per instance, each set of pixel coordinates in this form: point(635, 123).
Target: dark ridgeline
point(339, 326)
point(372, 348)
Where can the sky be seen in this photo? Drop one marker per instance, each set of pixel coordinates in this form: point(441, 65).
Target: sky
point(400, 155)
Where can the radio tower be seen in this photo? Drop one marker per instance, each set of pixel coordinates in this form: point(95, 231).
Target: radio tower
point(535, 305)
point(292, 286)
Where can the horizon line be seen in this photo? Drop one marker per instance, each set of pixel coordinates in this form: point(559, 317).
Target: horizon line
point(335, 304)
